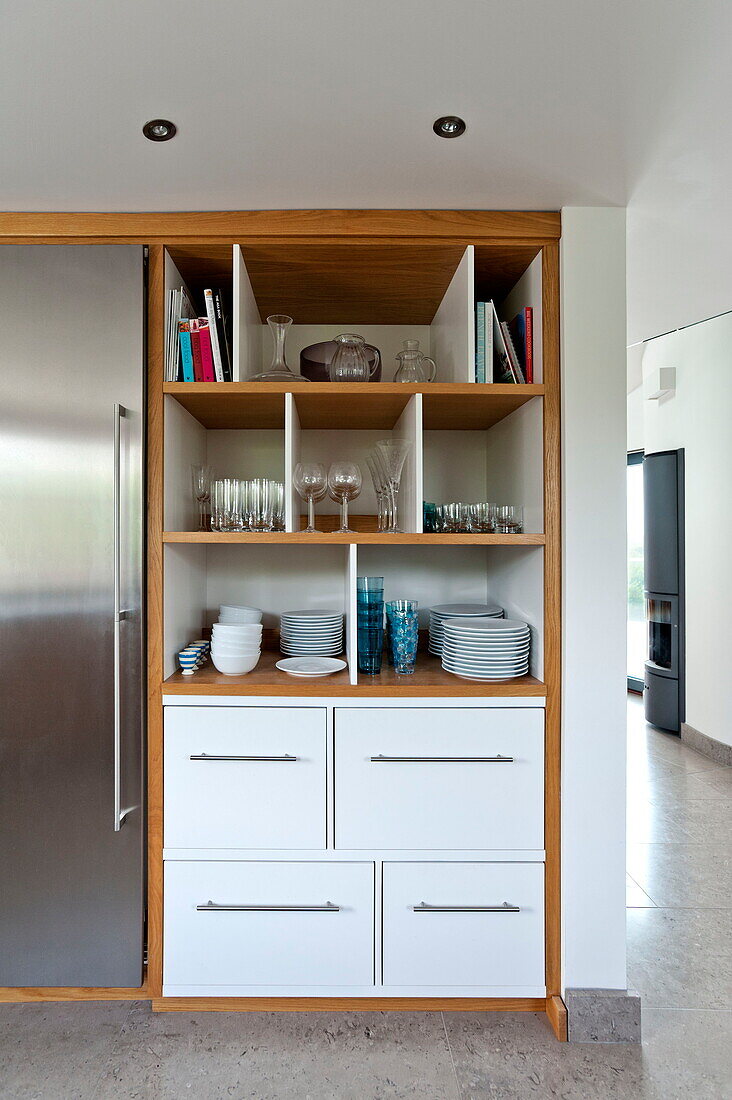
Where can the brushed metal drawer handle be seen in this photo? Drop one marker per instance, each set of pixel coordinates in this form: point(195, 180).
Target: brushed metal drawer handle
point(286, 759)
point(423, 907)
point(381, 759)
point(213, 907)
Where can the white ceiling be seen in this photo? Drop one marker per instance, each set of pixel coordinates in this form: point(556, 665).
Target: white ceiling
point(330, 103)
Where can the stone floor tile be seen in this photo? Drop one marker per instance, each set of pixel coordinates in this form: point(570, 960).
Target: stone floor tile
point(683, 875)
point(648, 822)
point(706, 821)
point(281, 1056)
point(688, 1054)
point(681, 958)
point(57, 1050)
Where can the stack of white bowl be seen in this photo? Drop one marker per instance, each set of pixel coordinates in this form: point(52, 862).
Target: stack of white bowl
point(236, 639)
point(486, 649)
point(311, 633)
point(441, 613)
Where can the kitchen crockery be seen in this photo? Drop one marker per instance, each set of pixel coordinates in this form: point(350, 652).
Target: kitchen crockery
point(235, 666)
point(308, 667)
point(278, 370)
point(349, 363)
point(315, 361)
point(414, 365)
point(311, 481)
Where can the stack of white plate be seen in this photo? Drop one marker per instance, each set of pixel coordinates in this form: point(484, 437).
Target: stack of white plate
point(486, 649)
point(441, 612)
point(311, 633)
point(236, 647)
point(236, 614)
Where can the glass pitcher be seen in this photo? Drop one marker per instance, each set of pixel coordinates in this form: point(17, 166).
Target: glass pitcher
point(414, 365)
point(349, 362)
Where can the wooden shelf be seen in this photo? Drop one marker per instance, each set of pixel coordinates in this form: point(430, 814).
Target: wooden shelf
point(447, 405)
point(365, 538)
point(429, 680)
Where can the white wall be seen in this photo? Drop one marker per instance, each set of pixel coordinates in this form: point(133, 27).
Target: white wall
point(697, 418)
point(594, 687)
point(635, 441)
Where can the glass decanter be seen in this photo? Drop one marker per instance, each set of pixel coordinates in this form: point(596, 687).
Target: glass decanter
point(278, 370)
point(414, 365)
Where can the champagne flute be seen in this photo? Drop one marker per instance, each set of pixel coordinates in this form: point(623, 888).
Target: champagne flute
point(311, 481)
point(201, 481)
point(393, 454)
point(344, 484)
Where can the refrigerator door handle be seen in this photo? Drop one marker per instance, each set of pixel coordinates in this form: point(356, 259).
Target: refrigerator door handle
point(119, 814)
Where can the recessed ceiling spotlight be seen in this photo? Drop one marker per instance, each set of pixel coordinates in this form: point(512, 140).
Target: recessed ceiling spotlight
point(449, 126)
point(159, 129)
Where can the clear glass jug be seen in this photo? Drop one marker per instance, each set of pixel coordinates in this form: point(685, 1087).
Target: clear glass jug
point(349, 362)
point(414, 365)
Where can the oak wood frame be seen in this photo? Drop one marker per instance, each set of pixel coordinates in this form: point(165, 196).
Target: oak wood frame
point(156, 231)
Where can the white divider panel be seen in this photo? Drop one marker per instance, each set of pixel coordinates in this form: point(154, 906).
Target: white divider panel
point(246, 324)
point(411, 494)
point(350, 607)
point(516, 581)
point(185, 446)
point(452, 333)
point(527, 292)
point(292, 457)
point(184, 599)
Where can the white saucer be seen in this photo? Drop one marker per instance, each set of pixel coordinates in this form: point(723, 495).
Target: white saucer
point(305, 667)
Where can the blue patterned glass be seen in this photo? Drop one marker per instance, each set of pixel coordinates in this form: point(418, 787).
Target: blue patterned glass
point(404, 639)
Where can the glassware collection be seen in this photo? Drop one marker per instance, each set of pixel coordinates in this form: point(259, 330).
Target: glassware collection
point(370, 623)
point(386, 465)
point(256, 505)
point(480, 518)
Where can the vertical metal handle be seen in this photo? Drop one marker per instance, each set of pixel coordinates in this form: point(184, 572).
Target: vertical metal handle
point(119, 813)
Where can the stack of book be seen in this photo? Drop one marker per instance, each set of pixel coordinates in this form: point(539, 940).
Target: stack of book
point(197, 348)
point(503, 349)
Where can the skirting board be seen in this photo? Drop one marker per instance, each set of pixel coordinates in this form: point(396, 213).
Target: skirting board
point(349, 1004)
point(707, 746)
point(603, 1015)
point(28, 994)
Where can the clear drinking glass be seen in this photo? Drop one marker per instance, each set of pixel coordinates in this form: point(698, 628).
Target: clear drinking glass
point(311, 481)
point(393, 454)
point(226, 514)
point(262, 504)
point(278, 505)
point(279, 371)
point(509, 519)
point(344, 484)
point(201, 483)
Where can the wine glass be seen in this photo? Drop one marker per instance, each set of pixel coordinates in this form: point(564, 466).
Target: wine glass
point(344, 484)
point(201, 482)
point(393, 454)
point(311, 481)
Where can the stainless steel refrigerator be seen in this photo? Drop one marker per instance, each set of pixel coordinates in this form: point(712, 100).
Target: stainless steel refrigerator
point(72, 407)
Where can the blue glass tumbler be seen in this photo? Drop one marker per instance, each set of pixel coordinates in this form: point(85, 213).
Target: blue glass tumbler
point(399, 606)
point(404, 638)
point(370, 623)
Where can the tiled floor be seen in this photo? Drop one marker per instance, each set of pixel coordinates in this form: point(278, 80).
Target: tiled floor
point(680, 959)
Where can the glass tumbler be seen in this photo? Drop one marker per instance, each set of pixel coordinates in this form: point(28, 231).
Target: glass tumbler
point(262, 504)
point(510, 519)
point(404, 641)
point(370, 623)
point(404, 607)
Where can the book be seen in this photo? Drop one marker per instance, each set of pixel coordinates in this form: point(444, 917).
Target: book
point(522, 334)
point(516, 372)
point(186, 354)
point(502, 364)
point(196, 351)
point(479, 342)
point(178, 308)
point(218, 303)
point(206, 353)
point(215, 348)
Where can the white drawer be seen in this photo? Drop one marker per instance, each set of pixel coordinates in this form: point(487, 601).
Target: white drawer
point(245, 777)
point(444, 945)
point(280, 924)
point(439, 779)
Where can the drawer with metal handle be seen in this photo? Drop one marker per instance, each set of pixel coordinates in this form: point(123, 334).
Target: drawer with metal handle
point(245, 777)
point(464, 925)
point(245, 924)
point(439, 779)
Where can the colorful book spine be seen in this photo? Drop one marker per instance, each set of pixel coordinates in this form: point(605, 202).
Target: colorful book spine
point(221, 334)
point(480, 342)
point(529, 339)
point(196, 351)
point(207, 363)
point(186, 353)
point(215, 349)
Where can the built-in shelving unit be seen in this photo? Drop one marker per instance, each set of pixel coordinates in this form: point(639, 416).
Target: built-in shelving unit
point(389, 277)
